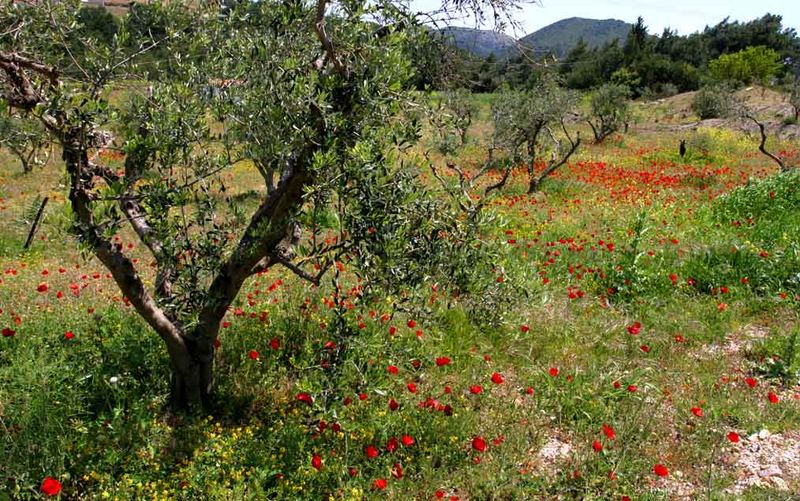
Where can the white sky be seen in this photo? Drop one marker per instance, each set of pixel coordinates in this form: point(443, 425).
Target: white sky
point(684, 16)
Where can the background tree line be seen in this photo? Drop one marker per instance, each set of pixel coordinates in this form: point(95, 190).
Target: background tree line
point(648, 64)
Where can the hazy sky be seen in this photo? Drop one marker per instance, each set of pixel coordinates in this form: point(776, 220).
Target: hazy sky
point(685, 16)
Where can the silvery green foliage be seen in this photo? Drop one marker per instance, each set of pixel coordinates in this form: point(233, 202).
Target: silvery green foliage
point(610, 110)
point(530, 127)
point(520, 117)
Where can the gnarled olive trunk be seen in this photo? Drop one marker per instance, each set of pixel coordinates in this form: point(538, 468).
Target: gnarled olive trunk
point(192, 377)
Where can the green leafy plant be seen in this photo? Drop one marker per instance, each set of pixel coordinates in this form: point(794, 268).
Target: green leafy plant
point(610, 110)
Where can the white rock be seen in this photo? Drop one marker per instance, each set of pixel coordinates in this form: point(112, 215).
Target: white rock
point(771, 471)
point(779, 483)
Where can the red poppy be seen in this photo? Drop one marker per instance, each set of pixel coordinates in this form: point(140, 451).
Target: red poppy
point(529, 390)
point(597, 446)
point(69, 335)
point(371, 451)
point(412, 324)
point(751, 382)
point(42, 288)
point(316, 461)
point(397, 471)
point(697, 411)
point(773, 398)
point(407, 440)
point(362, 396)
point(253, 355)
point(392, 369)
point(305, 398)
point(635, 328)
point(412, 387)
point(733, 437)
point(475, 389)
point(645, 348)
point(442, 361)
point(8, 332)
point(524, 328)
point(660, 470)
point(479, 444)
point(391, 445)
point(609, 432)
point(392, 330)
point(352, 472)
point(553, 371)
point(497, 378)
point(632, 388)
point(275, 343)
point(379, 484)
point(50, 486)
point(679, 338)
point(393, 405)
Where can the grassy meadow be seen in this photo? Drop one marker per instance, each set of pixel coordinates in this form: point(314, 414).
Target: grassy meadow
point(639, 339)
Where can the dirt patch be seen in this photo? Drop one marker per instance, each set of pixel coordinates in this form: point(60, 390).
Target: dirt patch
point(766, 460)
point(734, 344)
point(551, 457)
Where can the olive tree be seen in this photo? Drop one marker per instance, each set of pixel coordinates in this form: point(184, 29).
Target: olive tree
point(25, 138)
point(315, 94)
point(610, 110)
point(524, 122)
point(451, 115)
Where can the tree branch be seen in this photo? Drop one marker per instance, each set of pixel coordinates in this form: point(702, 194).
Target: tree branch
point(325, 40)
point(121, 267)
point(762, 148)
point(23, 94)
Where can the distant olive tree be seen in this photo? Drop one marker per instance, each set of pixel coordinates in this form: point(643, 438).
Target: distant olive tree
point(524, 123)
point(25, 137)
point(317, 93)
point(451, 115)
point(610, 110)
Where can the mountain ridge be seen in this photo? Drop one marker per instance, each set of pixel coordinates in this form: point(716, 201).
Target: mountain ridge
point(558, 37)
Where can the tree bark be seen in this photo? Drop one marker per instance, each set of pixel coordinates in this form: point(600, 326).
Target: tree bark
point(192, 377)
point(533, 186)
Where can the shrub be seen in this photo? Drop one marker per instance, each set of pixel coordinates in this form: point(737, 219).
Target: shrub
point(713, 102)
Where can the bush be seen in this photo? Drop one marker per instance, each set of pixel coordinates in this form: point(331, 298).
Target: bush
point(713, 102)
point(746, 66)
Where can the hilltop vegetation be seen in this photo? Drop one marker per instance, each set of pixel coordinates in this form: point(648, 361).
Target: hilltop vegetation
point(562, 36)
